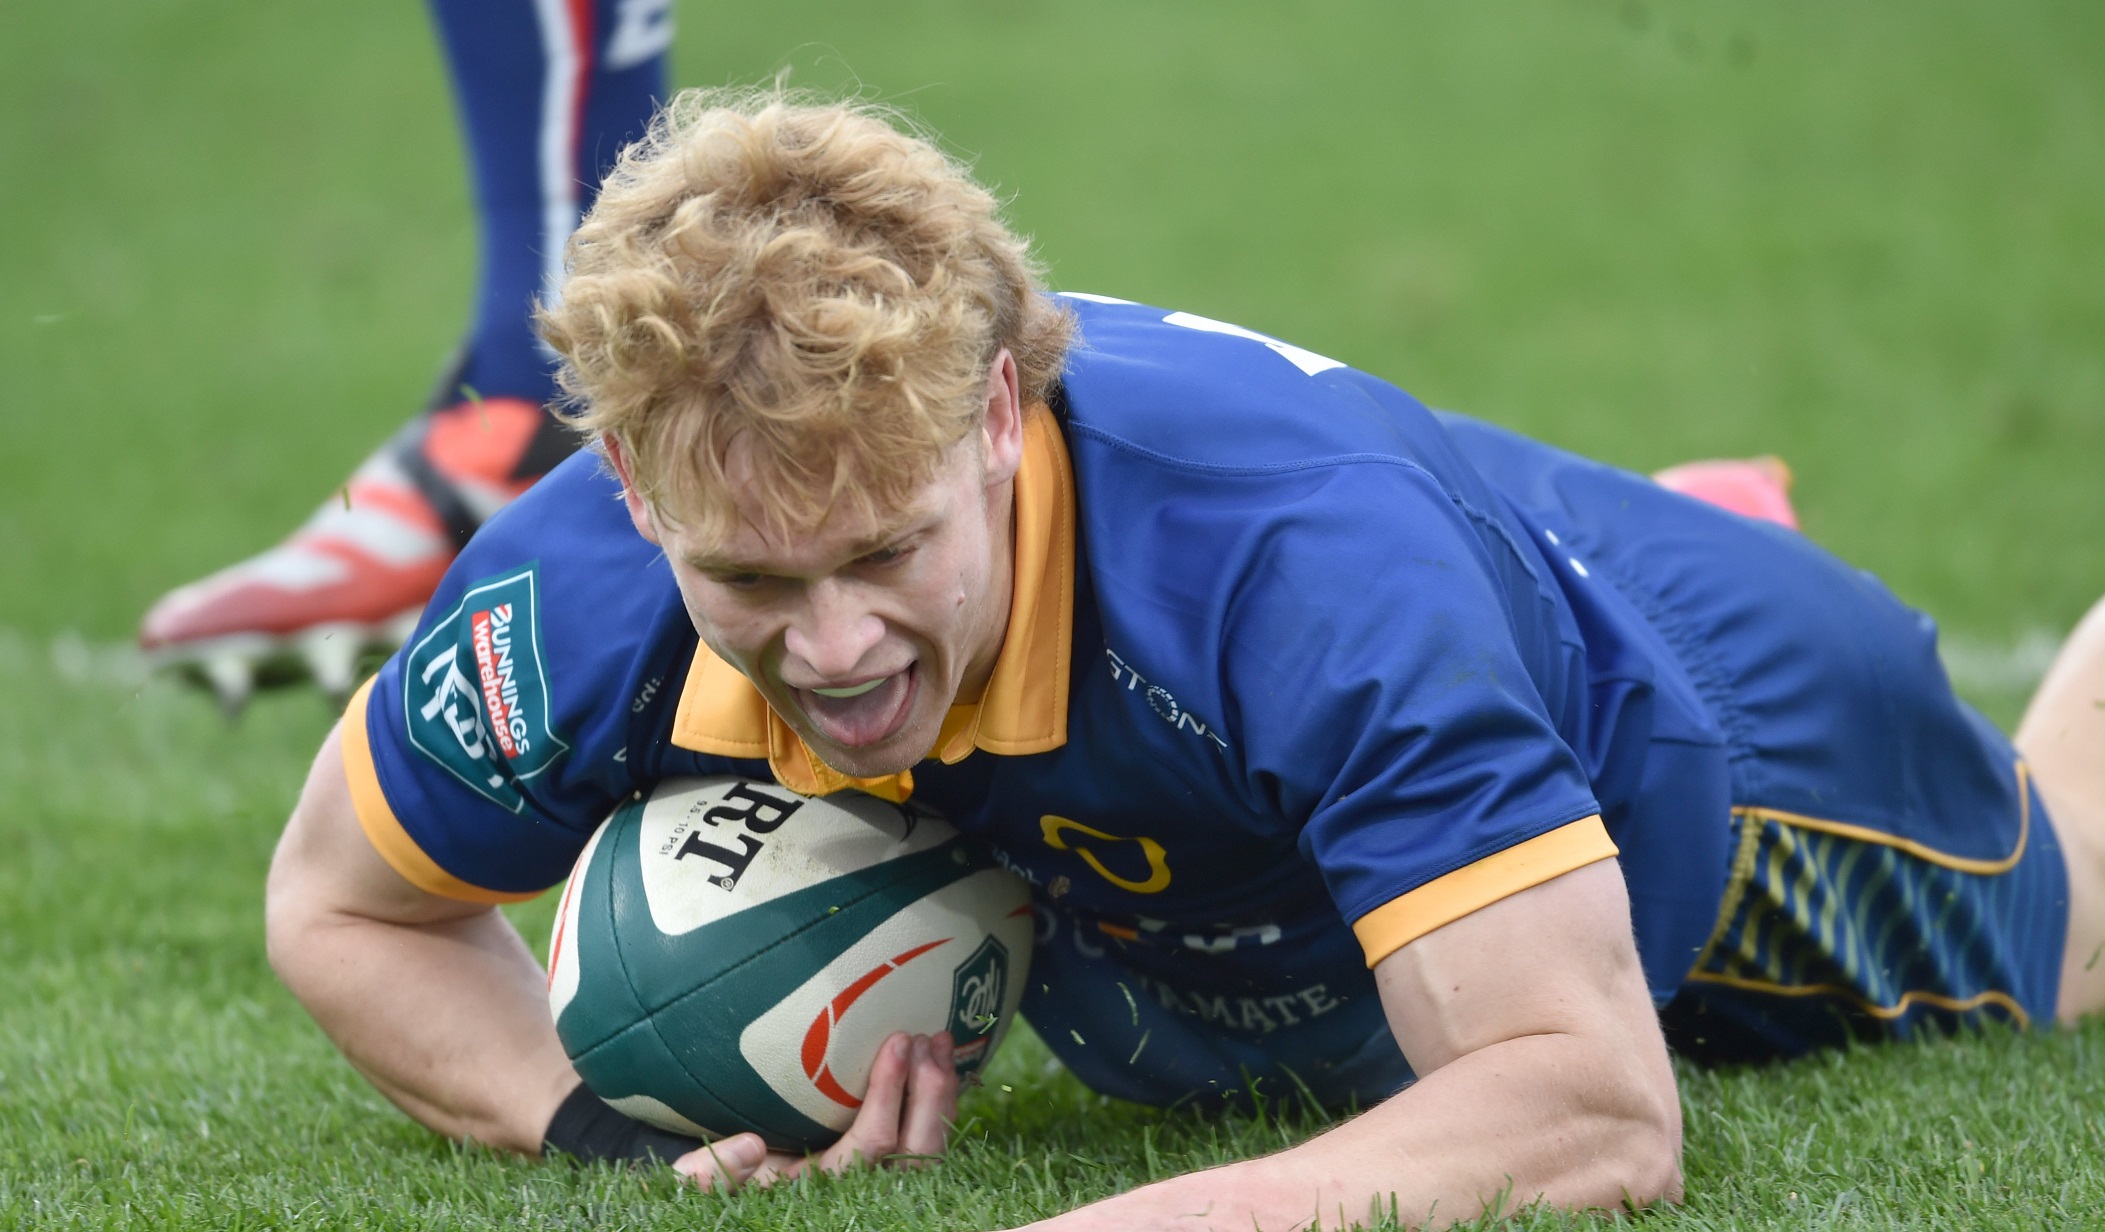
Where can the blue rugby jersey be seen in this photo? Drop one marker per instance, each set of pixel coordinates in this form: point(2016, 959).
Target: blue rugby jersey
point(1287, 683)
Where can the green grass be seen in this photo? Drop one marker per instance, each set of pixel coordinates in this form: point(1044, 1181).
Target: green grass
point(234, 245)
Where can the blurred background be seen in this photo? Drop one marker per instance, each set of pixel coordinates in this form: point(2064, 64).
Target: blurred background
point(236, 244)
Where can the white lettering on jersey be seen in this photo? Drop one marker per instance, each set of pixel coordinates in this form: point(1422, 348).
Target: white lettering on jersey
point(1231, 937)
point(642, 29)
point(1161, 701)
point(454, 699)
point(1009, 862)
point(1258, 1015)
point(1306, 361)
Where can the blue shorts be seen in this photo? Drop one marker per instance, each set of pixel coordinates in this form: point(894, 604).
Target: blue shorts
point(1827, 934)
point(1892, 866)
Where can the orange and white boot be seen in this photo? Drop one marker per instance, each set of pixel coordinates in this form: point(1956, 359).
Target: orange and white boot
point(352, 580)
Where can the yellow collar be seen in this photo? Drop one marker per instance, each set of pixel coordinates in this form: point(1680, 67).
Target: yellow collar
point(1024, 709)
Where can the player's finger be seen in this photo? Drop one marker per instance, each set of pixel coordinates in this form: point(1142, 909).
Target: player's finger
point(931, 1101)
point(778, 1166)
point(875, 1133)
point(724, 1164)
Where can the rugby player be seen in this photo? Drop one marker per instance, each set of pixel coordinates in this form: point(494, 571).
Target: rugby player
point(1351, 749)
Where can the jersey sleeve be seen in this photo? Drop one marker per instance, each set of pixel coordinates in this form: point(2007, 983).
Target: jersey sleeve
point(1388, 644)
point(406, 849)
point(489, 748)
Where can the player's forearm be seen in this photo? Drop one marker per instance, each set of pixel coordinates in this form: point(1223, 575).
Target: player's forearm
point(1587, 1126)
point(447, 1019)
point(1575, 1122)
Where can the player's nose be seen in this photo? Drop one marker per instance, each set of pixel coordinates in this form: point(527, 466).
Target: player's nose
point(832, 632)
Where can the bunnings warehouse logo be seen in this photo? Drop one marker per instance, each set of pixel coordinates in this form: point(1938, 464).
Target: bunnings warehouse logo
point(492, 730)
point(492, 637)
point(975, 1003)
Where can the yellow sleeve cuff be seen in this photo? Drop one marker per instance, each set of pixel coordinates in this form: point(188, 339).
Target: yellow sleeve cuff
point(385, 831)
point(1400, 921)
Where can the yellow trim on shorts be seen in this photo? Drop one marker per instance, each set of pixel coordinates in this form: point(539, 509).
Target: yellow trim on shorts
point(384, 830)
point(1956, 1005)
point(1862, 834)
point(1443, 900)
point(1742, 873)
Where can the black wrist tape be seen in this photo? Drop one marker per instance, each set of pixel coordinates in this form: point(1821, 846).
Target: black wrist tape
point(588, 1129)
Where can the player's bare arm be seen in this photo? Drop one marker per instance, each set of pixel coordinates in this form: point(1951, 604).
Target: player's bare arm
point(440, 1004)
point(1543, 1078)
point(437, 1001)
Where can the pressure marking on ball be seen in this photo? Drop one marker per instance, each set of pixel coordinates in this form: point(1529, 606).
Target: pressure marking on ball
point(820, 1032)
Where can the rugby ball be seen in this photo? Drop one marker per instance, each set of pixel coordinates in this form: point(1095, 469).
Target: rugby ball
point(729, 955)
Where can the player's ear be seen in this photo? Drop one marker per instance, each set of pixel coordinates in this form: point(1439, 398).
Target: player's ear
point(1001, 432)
point(639, 510)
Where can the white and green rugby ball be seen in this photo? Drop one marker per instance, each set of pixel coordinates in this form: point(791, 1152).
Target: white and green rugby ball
point(729, 954)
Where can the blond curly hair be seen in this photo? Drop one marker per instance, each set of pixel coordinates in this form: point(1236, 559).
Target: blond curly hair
point(807, 278)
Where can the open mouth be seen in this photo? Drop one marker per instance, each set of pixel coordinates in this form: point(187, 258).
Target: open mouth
point(859, 715)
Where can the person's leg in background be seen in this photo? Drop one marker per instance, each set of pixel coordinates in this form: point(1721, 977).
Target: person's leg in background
point(549, 92)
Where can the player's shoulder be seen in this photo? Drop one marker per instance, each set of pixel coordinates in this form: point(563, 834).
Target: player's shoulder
point(571, 534)
point(1237, 494)
point(529, 654)
point(1191, 392)
point(575, 507)
point(1193, 439)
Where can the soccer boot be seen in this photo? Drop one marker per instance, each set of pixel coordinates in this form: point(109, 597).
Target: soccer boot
point(1754, 487)
point(351, 581)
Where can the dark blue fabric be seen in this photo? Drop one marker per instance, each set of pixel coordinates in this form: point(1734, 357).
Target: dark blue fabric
point(1827, 938)
point(497, 52)
point(1155, 1040)
point(1828, 690)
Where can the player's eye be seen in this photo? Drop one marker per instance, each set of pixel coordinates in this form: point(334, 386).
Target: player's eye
point(739, 581)
point(888, 555)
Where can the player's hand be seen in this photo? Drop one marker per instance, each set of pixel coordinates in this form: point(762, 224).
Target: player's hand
point(904, 1122)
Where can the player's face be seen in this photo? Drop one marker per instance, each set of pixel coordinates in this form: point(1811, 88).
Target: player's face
point(863, 633)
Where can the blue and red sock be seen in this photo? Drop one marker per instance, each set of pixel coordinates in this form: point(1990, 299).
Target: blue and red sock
point(549, 92)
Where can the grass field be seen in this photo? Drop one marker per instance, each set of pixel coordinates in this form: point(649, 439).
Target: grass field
point(234, 245)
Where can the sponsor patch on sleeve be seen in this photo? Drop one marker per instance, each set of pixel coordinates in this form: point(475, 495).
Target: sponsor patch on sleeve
point(475, 690)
